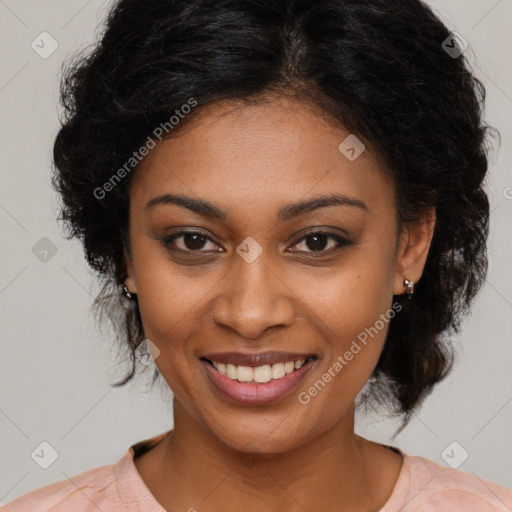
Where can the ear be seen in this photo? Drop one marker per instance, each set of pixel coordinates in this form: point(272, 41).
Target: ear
point(414, 244)
point(130, 281)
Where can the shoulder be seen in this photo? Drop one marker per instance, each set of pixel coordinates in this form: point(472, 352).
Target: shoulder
point(91, 490)
point(426, 486)
point(112, 488)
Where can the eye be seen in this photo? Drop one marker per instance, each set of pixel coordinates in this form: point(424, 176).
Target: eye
point(197, 242)
point(317, 242)
point(189, 241)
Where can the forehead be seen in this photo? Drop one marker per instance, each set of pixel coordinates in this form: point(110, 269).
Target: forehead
point(265, 154)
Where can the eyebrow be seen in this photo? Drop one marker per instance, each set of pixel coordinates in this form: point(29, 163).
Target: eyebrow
point(208, 210)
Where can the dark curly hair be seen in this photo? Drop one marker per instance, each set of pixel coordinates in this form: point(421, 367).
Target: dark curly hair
point(376, 67)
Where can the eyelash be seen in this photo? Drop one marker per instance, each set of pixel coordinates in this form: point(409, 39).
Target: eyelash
point(341, 241)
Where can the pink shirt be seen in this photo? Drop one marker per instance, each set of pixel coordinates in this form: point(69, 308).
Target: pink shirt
point(422, 486)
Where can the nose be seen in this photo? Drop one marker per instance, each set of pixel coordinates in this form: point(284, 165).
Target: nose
point(252, 297)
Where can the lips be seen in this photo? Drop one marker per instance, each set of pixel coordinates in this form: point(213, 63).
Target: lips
point(257, 378)
point(258, 359)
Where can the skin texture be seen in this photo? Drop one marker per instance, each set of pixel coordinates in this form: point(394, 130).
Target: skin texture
point(251, 161)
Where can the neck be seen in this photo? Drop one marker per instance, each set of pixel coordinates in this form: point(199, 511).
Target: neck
point(193, 469)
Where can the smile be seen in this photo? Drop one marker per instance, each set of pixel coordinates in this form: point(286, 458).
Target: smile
point(257, 385)
point(260, 374)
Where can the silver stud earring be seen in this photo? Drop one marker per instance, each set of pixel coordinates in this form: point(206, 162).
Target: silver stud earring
point(127, 293)
point(410, 288)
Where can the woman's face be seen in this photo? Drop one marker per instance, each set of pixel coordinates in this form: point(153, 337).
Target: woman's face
point(250, 276)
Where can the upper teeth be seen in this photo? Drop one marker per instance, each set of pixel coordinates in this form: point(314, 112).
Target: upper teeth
point(259, 373)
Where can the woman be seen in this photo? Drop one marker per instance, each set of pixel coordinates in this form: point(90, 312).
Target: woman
point(286, 210)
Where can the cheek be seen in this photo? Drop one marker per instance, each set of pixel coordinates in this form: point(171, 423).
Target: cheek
point(168, 306)
point(166, 292)
point(351, 297)
point(169, 298)
point(351, 308)
point(171, 305)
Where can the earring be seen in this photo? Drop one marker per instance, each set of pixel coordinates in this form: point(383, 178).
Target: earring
point(127, 293)
point(410, 288)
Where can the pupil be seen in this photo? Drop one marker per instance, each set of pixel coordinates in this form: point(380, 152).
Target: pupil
point(197, 241)
point(316, 245)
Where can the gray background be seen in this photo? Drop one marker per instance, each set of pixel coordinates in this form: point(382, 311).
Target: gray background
point(55, 365)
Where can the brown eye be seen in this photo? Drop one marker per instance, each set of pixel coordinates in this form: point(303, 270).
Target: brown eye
point(189, 241)
point(318, 242)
